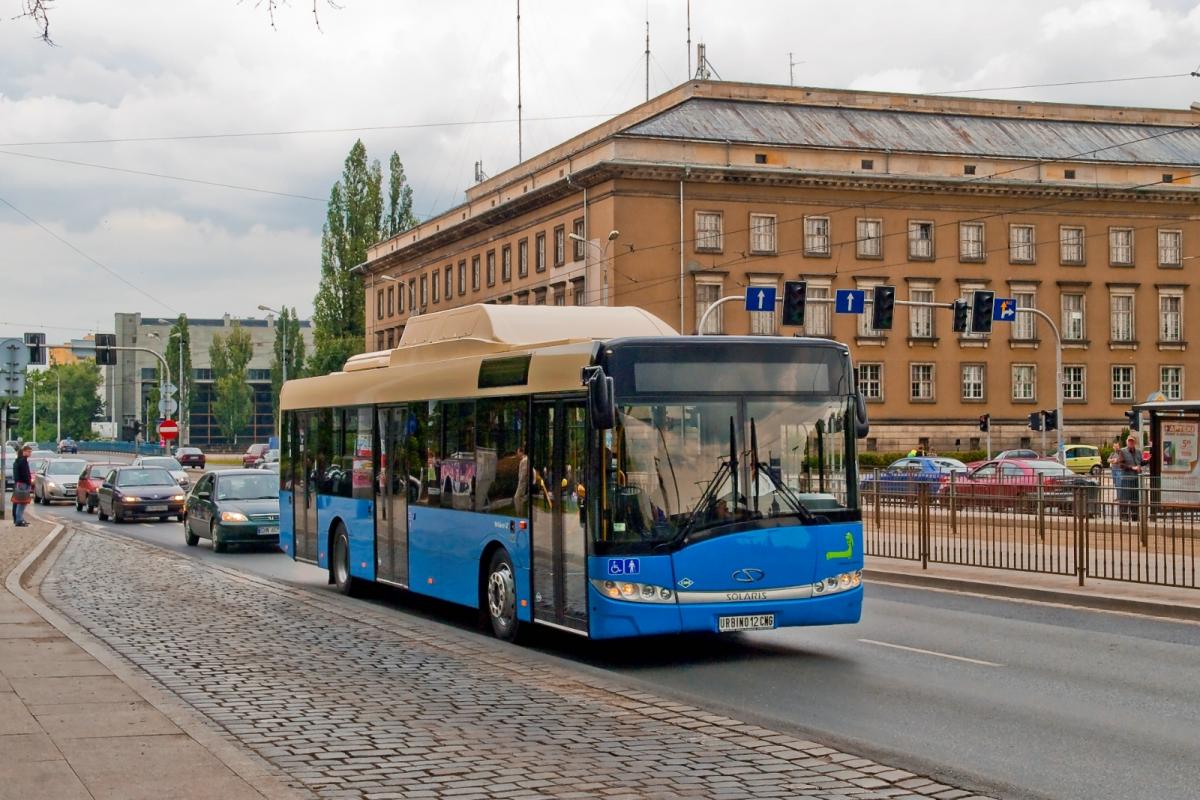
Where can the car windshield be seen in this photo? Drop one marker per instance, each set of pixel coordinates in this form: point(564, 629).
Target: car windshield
point(1049, 468)
point(247, 487)
point(144, 477)
point(166, 462)
point(65, 467)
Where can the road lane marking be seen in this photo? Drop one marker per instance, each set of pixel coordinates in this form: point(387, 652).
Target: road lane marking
point(932, 653)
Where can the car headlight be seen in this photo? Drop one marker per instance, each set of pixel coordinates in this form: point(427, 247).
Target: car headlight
point(177, 497)
point(51, 485)
point(636, 592)
point(232, 516)
point(842, 582)
point(130, 499)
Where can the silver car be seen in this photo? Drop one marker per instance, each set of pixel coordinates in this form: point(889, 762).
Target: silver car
point(169, 463)
point(55, 480)
point(10, 458)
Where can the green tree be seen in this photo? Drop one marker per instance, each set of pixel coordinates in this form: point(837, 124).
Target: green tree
point(287, 328)
point(354, 221)
point(233, 402)
point(180, 339)
point(81, 404)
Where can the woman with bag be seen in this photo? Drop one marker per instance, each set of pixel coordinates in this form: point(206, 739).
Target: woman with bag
point(22, 487)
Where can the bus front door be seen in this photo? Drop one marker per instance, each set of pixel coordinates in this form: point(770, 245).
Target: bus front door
point(304, 499)
point(559, 467)
point(391, 519)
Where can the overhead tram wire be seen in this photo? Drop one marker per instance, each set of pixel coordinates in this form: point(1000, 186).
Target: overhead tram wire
point(1068, 83)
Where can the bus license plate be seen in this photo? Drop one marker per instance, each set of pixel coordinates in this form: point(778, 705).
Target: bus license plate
point(746, 622)
point(268, 530)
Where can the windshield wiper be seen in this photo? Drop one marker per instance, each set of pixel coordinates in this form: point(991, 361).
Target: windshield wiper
point(725, 470)
point(758, 468)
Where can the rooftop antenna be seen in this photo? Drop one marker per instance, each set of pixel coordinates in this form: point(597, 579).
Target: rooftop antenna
point(480, 175)
point(647, 51)
point(520, 148)
point(792, 69)
point(704, 68)
point(689, 36)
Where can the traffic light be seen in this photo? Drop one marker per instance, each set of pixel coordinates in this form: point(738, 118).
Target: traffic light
point(962, 310)
point(1050, 420)
point(883, 307)
point(1035, 421)
point(105, 355)
point(981, 311)
point(36, 342)
point(795, 293)
point(1135, 419)
point(985, 422)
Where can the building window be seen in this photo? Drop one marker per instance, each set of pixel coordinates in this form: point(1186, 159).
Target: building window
point(491, 267)
point(522, 258)
point(1171, 382)
point(523, 297)
point(449, 280)
point(1024, 382)
point(1075, 382)
point(968, 169)
point(424, 291)
point(539, 252)
point(869, 378)
point(869, 238)
point(970, 241)
point(379, 341)
point(412, 296)
point(1120, 247)
point(818, 315)
point(920, 382)
point(1170, 248)
point(1070, 245)
point(1122, 383)
point(706, 295)
point(462, 278)
point(868, 163)
point(816, 236)
point(506, 263)
point(400, 299)
point(1072, 317)
point(1020, 244)
point(391, 300)
point(1024, 326)
point(379, 304)
point(578, 248)
point(972, 381)
point(920, 318)
point(1170, 317)
point(709, 237)
point(539, 297)
point(560, 295)
point(560, 246)
point(864, 319)
point(762, 323)
point(437, 282)
point(475, 273)
point(762, 233)
point(920, 240)
point(577, 295)
point(1121, 317)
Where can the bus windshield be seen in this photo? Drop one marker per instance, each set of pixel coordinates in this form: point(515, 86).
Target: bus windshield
point(682, 466)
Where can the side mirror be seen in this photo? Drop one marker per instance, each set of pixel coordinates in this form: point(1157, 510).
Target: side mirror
point(602, 407)
point(862, 425)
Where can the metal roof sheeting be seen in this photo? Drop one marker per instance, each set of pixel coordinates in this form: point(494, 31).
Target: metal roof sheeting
point(914, 132)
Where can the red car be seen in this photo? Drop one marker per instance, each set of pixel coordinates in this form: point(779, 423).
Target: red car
point(190, 457)
point(1013, 483)
point(253, 455)
point(89, 481)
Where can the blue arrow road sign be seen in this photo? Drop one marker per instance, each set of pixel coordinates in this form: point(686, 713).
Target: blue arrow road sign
point(1004, 309)
point(849, 301)
point(760, 298)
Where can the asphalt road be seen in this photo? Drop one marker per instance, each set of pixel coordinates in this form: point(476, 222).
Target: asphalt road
point(1031, 699)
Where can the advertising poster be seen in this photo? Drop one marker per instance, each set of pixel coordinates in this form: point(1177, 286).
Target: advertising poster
point(1180, 462)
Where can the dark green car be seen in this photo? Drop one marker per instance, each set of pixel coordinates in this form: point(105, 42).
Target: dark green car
point(236, 506)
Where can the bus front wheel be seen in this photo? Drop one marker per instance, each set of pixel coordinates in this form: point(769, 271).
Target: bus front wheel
point(501, 594)
point(340, 562)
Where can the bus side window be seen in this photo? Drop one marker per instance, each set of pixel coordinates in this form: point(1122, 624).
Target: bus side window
point(422, 445)
point(502, 466)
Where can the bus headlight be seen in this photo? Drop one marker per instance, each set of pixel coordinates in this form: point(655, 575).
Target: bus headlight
point(636, 592)
point(842, 582)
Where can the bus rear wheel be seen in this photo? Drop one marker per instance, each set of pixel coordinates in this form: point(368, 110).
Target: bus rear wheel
point(501, 595)
point(339, 562)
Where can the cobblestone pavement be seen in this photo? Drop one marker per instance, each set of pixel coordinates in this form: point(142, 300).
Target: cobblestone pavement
point(353, 701)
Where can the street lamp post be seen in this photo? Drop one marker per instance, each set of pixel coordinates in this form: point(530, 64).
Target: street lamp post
point(612, 237)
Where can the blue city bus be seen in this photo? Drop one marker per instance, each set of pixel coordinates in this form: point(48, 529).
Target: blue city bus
point(587, 469)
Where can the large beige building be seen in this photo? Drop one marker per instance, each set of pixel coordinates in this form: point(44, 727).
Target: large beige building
point(1085, 212)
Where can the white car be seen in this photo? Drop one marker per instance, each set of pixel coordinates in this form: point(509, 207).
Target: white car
point(168, 463)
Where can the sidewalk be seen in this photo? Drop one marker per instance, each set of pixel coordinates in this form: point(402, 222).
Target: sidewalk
point(1109, 595)
point(70, 727)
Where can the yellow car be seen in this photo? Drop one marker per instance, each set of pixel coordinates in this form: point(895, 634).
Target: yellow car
point(1082, 459)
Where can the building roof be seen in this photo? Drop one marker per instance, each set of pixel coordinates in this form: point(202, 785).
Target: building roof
point(800, 125)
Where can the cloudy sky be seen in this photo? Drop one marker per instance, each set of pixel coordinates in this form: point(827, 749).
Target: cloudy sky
point(176, 156)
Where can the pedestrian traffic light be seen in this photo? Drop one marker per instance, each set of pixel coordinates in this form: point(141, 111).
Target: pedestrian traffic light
point(883, 307)
point(1035, 421)
point(962, 311)
point(36, 342)
point(1135, 419)
point(795, 293)
point(1050, 420)
point(981, 311)
point(105, 354)
point(985, 422)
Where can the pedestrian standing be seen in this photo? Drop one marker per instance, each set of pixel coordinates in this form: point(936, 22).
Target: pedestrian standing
point(1130, 465)
point(22, 486)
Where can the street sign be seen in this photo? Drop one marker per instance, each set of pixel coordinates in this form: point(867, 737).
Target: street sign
point(167, 388)
point(167, 406)
point(850, 301)
point(168, 429)
point(1004, 309)
point(760, 298)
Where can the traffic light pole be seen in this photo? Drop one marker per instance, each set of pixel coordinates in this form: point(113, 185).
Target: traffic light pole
point(1058, 381)
point(778, 300)
point(161, 360)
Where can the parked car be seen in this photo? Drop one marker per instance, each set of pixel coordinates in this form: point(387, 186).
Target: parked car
point(190, 457)
point(169, 464)
point(1013, 482)
point(89, 483)
point(43, 454)
point(270, 466)
point(37, 462)
point(269, 457)
point(1022, 453)
point(139, 492)
point(68, 446)
point(10, 457)
point(55, 480)
point(236, 506)
point(1082, 459)
point(903, 477)
point(253, 453)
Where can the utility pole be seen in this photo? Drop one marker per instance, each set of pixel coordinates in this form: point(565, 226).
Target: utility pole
point(520, 149)
point(35, 412)
point(647, 55)
point(58, 410)
point(689, 36)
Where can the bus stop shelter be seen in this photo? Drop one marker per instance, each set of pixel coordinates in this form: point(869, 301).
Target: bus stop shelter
point(1174, 454)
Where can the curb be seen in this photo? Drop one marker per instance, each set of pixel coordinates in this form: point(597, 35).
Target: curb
point(1148, 608)
point(257, 773)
